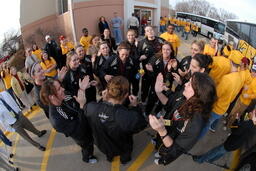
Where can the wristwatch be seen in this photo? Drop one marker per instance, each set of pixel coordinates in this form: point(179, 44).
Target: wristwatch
point(162, 137)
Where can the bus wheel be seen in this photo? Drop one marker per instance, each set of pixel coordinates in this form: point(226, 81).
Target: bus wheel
point(209, 35)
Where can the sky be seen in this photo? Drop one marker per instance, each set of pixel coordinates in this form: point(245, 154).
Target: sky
point(9, 16)
point(244, 9)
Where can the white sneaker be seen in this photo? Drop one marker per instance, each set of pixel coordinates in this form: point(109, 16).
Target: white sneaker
point(92, 161)
point(225, 128)
point(156, 161)
point(157, 155)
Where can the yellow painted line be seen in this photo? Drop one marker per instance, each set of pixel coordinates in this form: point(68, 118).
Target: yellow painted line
point(142, 158)
point(115, 166)
point(14, 146)
point(48, 150)
point(235, 160)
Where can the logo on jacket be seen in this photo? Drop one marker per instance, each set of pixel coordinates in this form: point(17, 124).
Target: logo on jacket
point(103, 117)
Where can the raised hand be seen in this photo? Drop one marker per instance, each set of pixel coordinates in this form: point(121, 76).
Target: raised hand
point(149, 67)
point(108, 77)
point(62, 73)
point(84, 84)
point(80, 98)
point(133, 100)
point(177, 78)
point(143, 57)
point(159, 85)
point(157, 124)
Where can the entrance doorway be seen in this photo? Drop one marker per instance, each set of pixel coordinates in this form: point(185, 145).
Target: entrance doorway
point(142, 12)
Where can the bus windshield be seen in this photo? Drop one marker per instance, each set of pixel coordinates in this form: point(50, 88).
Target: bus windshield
point(219, 28)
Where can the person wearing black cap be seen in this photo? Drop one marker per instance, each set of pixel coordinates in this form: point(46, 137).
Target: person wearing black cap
point(53, 49)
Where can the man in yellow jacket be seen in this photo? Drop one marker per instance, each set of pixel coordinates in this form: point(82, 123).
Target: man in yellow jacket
point(227, 90)
point(172, 38)
point(85, 39)
point(66, 46)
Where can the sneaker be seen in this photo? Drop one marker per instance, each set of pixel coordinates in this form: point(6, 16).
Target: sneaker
point(92, 160)
point(225, 128)
point(11, 155)
point(10, 162)
point(42, 148)
point(42, 133)
point(156, 161)
point(212, 130)
point(157, 155)
point(196, 159)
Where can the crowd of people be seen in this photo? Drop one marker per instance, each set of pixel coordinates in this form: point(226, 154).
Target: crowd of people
point(186, 27)
point(104, 90)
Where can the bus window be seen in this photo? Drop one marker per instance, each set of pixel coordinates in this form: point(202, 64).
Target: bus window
point(245, 32)
point(234, 26)
point(253, 36)
point(211, 23)
point(198, 19)
point(219, 28)
point(204, 21)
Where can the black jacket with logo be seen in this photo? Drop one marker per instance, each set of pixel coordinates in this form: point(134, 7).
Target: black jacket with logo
point(71, 82)
point(112, 67)
point(69, 120)
point(113, 126)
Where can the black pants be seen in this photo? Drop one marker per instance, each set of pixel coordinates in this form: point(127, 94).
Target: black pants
point(169, 154)
point(153, 105)
point(135, 86)
point(146, 84)
point(91, 94)
point(83, 137)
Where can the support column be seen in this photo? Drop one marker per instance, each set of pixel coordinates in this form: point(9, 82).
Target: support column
point(128, 10)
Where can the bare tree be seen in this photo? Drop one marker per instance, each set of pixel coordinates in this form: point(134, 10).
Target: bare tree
point(204, 8)
point(224, 15)
point(38, 36)
point(11, 43)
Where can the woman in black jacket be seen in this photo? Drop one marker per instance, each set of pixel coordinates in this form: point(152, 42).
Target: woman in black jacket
point(103, 24)
point(66, 114)
point(112, 124)
point(106, 36)
point(121, 64)
point(180, 131)
point(77, 71)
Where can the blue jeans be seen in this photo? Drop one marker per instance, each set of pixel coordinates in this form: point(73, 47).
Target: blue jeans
point(5, 139)
point(212, 155)
point(186, 35)
point(117, 34)
point(213, 121)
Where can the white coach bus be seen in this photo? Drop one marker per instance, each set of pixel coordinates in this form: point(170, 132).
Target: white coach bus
point(210, 27)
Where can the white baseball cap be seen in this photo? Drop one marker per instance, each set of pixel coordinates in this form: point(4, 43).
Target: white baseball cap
point(47, 37)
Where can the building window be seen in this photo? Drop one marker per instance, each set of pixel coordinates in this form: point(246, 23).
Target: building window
point(63, 6)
